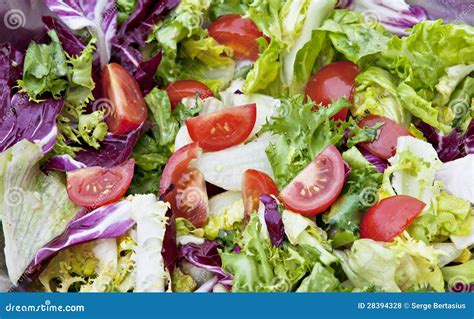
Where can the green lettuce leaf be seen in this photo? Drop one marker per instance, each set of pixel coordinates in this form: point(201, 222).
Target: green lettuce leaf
point(301, 135)
point(463, 273)
point(429, 62)
point(45, 69)
point(184, 22)
point(321, 279)
point(359, 193)
point(124, 9)
point(208, 51)
point(376, 93)
point(354, 36)
point(155, 147)
point(74, 124)
point(35, 207)
point(393, 267)
point(461, 103)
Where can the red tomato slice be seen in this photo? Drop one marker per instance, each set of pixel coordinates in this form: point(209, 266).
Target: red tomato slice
point(126, 108)
point(385, 145)
point(186, 88)
point(390, 217)
point(315, 188)
point(96, 186)
point(255, 184)
point(222, 129)
point(238, 33)
point(177, 164)
point(331, 82)
point(191, 201)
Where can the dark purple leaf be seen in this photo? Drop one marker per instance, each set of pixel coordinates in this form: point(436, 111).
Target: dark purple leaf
point(204, 256)
point(114, 150)
point(273, 219)
point(380, 163)
point(452, 146)
point(71, 43)
point(132, 36)
point(170, 247)
point(22, 119)
point(11, 64)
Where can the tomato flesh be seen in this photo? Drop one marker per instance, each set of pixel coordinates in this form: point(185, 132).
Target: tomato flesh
point(124, 106)
point(331, 82)
point(222, 129)
point(255, 184)
point(188, 198)
point(186, 88)
point(385, 145)
point(239, 33)
point(96, 186)
point(315, 188)
point(390, 217)
point(191, 200)
point(177, 164)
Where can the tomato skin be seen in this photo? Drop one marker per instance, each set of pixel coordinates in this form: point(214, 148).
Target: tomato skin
point(385, 145)
point(177, 164)
point(222, 129)
point(186, 88)
point(331, 82)
point(238, 33)
point(127, 105)
point(96, 186)
point(255, 184)
point(317, 186)
point(190, 197)
point(390, 217)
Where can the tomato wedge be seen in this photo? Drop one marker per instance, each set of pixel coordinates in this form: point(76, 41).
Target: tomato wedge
point(186, 88)
point(255, 184)
point(239, 33)
point(188, 198)
point(96, 186)
point(126, 108)
point(177, 164)
point(222, 129)
point(191, 200)
point(385, 145)
point(390, 217)
point(315, 188)
point(331, 82)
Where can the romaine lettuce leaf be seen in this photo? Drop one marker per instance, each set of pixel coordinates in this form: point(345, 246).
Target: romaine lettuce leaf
point(35, 206)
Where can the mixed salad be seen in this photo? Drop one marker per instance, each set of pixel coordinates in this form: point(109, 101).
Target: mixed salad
point(238, 146)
